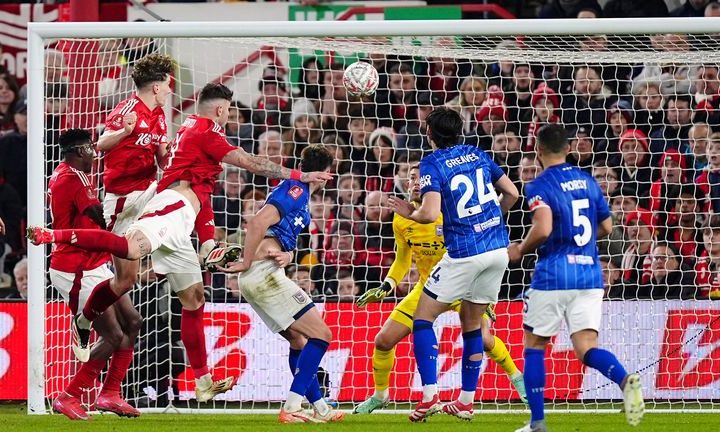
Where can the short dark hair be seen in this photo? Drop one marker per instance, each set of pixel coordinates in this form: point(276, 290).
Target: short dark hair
point(553, 138)
point(71, 138)
point(214, 91)
point(693, 190)
point(445, 126)
point(315, 158)
point(712, 223)
point(680, 98)
point(152, 68)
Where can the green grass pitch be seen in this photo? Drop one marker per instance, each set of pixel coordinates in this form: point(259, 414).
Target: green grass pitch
point(13, 418)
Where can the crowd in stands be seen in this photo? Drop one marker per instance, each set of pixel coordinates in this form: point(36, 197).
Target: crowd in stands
point(648, 133)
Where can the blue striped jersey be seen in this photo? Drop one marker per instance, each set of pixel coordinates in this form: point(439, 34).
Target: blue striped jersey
point(290, 198)
point(569, 257)
point(464, 176)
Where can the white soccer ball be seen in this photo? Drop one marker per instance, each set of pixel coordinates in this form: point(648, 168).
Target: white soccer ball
point(360, 79)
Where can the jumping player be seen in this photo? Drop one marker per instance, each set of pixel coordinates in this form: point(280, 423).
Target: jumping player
point(459, 180)
point(424, 243)
point(569, 215)
point(74, 272)
point(283, 306)
point(167, 221)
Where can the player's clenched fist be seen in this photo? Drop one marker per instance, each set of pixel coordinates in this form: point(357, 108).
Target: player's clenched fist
point(129, 121)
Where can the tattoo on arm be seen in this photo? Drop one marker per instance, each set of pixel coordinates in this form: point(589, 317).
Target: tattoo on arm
point(256, 165)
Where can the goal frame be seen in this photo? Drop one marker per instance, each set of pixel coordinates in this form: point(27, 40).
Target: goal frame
point(39, 32)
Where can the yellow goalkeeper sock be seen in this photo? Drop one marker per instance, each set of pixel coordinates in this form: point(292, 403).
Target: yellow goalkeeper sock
point(501, 356)
point(383, 362)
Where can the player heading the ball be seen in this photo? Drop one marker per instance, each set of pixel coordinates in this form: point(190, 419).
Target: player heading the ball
point(569, 215)
point(458, 180)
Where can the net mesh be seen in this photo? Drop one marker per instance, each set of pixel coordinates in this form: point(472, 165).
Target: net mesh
point(641, 112)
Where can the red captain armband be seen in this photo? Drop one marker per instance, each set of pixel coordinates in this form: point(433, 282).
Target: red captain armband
point(295, 174)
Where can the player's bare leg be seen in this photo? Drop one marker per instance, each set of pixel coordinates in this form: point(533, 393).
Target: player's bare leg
point(585, 343)
point(496, 349)
point(311, 325)
point(425, 347)
point(313, 394)
point(110, 398)
point(192, 334)
point(386, 340)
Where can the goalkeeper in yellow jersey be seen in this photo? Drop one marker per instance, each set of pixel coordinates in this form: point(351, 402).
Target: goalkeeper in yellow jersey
point(425, 243)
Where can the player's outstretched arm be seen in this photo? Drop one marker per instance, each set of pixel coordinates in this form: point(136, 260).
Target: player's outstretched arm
point(110, 139)
point(264, 167)
point(428, 211)
point(539, 232)
point(509, 191)
point(255, 233)
point(605, 228)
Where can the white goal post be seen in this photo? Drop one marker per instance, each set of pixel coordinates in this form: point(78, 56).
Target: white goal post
point(479, 42)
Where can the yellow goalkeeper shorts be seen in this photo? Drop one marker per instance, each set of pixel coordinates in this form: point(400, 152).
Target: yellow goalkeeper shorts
point(405, 310)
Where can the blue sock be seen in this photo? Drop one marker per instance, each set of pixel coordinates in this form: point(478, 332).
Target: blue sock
point(425, 347)
point(534, 375)
point(472, 344)
point(307, 365)
point(313, 392)
point(606, 363)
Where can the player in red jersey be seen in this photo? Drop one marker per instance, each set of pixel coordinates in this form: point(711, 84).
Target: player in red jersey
point(74, 272)
point(167, 221)
point(135, 142)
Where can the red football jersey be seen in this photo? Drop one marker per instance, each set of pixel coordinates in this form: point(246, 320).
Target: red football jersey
point(195, 156)
point(130, 166)
point(70, 193)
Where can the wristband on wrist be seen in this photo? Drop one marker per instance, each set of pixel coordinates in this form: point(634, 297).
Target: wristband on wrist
point(295, 174)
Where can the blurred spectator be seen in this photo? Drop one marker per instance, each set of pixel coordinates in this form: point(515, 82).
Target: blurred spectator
point(686, 233)
point(648, 105)
point(403, 162)
point(335, 144)
point(620, 117)
point(380, 173)
point(706, 86)
point(568, 8)
point(362, 124)
point(334, 106)
point(301, 276)
point(445, 74)
point(227, 205)
point(674, 134)
point(273, 104)
point(350, 194)
point(666, 275)
point(506, 151)
point(13, 153)
point(376, 245)
point(114, 84)
point(698, 138)
point(707, 270)
point(712, 9)
point(544, 103)
point(239, 127)
point(611, 277)
point(311, 79)
point(691, 8)
point(709, 178)
point(321, 207)
point(347, 288)
point(492, 118)
point(607, 178)
point(270, 146)
point(400, 98)
point(673, 77)
point(585, 103)
point(501, 73)
point(339, 255)
point(581, 149)
point(8, 97)
point(20, 276)
point(635, 173)
point(56, 105)
point(251, 202)
point(640, 233)
point(635, 9)
point(518, 94)
point(665, 191)
point(304, 129)
point(469, 101)
point(621, 204)
point(413, 136)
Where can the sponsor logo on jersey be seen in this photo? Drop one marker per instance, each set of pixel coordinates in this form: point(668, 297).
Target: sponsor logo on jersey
point(145, 139)
point(438, 230)
point(295, 192)
point(425, 181)
point(480, 227)
point(535, 202)
point(143, 124)
point(300, 297)
point(162, 232)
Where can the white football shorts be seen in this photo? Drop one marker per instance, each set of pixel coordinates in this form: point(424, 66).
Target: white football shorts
point(274, 297)
point(545, 310)
point(120, 211)
point(75, 288)
point(476, 279)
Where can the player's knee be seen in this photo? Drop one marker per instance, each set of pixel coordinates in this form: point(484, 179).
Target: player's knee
point(323, 333)
point(114, 338)
point(296, 340)
point(124, 281)
point(133, 325)
point(192, 297)
point(383, 342)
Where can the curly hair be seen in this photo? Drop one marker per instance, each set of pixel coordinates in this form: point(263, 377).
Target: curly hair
point(152, 68)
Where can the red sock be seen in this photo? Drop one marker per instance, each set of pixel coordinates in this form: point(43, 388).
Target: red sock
point(119, 364)
point(192, 334)
point(101, 298)
point(93, 240)
point(85, 377)
point(205, 223)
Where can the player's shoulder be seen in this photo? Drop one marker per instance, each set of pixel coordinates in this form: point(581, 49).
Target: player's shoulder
point(67, 176)
point(126, 106)
point(293, 190)
point(400, 222)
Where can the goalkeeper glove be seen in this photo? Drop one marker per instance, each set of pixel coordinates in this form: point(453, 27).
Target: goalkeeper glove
point(374, 295)
point(490, 312)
